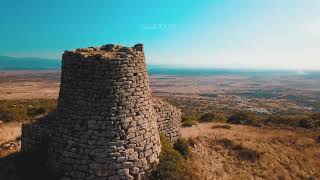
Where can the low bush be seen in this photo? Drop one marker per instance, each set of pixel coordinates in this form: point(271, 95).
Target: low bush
point(36, 111)
point(244, 153)
point(240, 151)
point(189, 120)
point(171, 165)
point(243, 117)
point(306, 123)
point(315, 116)
point(183, 146)
point(227, 143)
point(213, 117)
point(224, 126)
point(5, 116)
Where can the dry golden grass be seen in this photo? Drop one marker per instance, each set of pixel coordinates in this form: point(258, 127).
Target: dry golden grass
point(9, 132)
point(244, 152)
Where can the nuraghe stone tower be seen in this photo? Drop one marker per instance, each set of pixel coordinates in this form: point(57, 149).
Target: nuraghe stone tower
point(106, 124)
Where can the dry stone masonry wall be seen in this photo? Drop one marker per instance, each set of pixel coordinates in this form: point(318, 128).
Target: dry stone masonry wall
point(169, 119)
point(106, 125)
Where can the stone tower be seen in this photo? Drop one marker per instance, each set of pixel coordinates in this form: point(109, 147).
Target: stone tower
point(106, 123)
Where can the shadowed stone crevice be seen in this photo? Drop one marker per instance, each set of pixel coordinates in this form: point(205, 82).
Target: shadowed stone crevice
point(106, 124)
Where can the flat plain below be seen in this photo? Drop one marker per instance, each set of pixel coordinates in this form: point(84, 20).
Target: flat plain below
point(221, 151)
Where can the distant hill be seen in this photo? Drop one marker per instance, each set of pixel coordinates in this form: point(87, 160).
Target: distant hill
point(14, 63)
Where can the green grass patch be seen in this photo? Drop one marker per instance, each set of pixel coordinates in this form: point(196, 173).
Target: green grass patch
point(25, 110)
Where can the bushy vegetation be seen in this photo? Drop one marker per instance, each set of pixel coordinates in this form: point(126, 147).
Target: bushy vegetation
point(308, 121)
point(213, 117)
point(36, 111)
point(183, 146)
point(5, 116)
point(172, 165)
point(281, 120)
point(223, 126)
point(304, 121)
point(24, 110)
point(243, 117)
point(240, 151)
point(189, 120)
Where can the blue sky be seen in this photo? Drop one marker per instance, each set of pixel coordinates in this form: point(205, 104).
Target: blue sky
point(280, 34)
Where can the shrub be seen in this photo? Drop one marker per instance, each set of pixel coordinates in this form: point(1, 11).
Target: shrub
point(315, 116)
point(243, 117)
point(227, 143)
point(171, 165)
point(183, 146)
point(36, 111)
point(283, 120)
point(224, 126)
point(189, 120)
point(317, 124)
point(220, 118)
point(244, 153)
point(5, 116)
point(240, 151)
point(306, 123)
point(210, 117)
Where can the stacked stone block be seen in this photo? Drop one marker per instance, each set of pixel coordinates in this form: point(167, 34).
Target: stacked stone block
point(105, 125)
point(169, 119)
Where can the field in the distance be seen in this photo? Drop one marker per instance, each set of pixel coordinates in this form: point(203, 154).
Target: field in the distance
point(222, 151)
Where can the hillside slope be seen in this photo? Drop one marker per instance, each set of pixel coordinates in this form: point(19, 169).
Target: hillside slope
point(244, 152)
